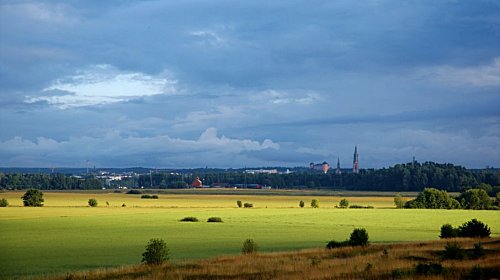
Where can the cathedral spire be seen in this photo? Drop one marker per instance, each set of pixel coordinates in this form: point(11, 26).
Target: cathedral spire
point(338, 171)
point(355, 162)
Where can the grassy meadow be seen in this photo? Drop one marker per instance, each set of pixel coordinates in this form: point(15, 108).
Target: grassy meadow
point(66, 235)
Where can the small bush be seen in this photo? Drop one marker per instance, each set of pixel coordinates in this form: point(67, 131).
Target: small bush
point(344, 203)
point(453, 251)
point(239, 203)
point(301, 204)
point(248, 205)
point(359, 237)
point(429, 269)
point(335, 244)
point(249, 247)
point(478, 250)
point(447, 231)
point(361, 206)
point(189, 219)
point(147, 196)
point(474, 228)
point(214, 220)
point(134, 192)
point(4, 202)
point(156, 252)
point(315, 203)
point(92, 202)
point(124, 205)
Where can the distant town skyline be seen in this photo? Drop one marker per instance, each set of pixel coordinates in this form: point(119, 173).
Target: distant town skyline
point(175, 84)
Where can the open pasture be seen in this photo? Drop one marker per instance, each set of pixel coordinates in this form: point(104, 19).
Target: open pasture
point(66, 235)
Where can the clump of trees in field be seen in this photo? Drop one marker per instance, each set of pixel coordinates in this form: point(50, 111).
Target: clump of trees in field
point(92, 202)
point(156, 252)
point(358, 237)
point(33, 198)
point(4, 202)
point(472, 228)
point(249, 247)
point(189, 219)
point(430, 198)
point(315, 203)
point(214, 220)
point(147, 196)
point(239, 203)
point(248, 205)
point(344, 203)
point(301, 204)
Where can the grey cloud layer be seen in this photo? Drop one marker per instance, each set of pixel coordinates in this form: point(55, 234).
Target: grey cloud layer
point(122, 84)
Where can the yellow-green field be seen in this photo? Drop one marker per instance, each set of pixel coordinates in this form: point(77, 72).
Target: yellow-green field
point(66, 235)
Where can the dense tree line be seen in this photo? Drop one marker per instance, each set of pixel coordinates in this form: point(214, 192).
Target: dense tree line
point(48, 182)
point(401, 177)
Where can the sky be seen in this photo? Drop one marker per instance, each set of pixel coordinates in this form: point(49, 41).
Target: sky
point(186, 84)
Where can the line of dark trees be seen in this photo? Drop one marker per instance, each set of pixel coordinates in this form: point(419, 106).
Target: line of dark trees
point(48, 182)
point(401, 177)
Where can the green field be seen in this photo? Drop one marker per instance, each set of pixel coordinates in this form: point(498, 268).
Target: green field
point(65, 235)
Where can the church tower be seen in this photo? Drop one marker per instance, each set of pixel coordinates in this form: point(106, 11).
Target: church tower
point(355, 162)
point(338, 172)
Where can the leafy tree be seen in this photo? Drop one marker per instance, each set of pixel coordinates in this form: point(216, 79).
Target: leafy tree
point(431, 198)
point(476, 199)
point(247, 205)
point(447, 231)
point(249, 247)
point(239, 203)
point(497, 200)
point(156, 252)
point(474, 228)
point(453, 251)
point(4, 202)
point(398, 201)
point(93, 202)
point(33, 198)
point(315, 203)
point(344, 203)
point(301, 204)
point(359, 237)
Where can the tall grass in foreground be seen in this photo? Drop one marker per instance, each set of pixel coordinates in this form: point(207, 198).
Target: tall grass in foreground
point(422, 260)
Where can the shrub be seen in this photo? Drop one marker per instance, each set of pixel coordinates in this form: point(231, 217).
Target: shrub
point(189, 219)
point(453, 251)
point(429, 268)
point(447, 231)
point(134, 192)
point(344, 203)
point(301, 204)
point(214, 220)
point(359, 237)
point(117, 191)
point(92, 202)
point(361, 206)
point(398, 201)
point(147, 196)
point(4, 202)
point(239, 203)
point(156, 252)
point(33, 198)
point(154, 196)
point(249, 247)
point(478, 250)
point(335, 244)
point(315, 203)
point(124, 205)
point(474, 228)
point(248, 205)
